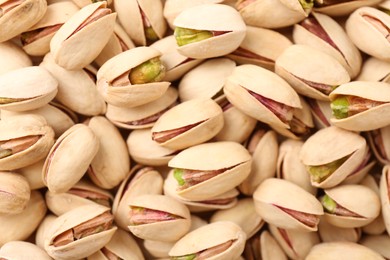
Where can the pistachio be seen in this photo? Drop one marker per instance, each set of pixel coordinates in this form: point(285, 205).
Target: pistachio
point(384, 196)
point(33, 175)
point(186, 36)
point(21, 249)
point(319, 173)
point(331, 233)
point(263, 246)
point(378, 243)
point(43, 229)
point(375, 70)
point(340, 8)
point(321, 112)
point(346, 106)
point(14, 193)
point(13, 57)
point(378, 140)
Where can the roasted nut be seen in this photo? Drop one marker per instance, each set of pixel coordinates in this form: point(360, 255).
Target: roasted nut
point(19, 250)
point(331, 233)
point(379, 143)
point(14, 193)
point(375, 70)
point(12, 57)
point(43, 229)
point(378, 243)
point(263, 246)
point(321, 112)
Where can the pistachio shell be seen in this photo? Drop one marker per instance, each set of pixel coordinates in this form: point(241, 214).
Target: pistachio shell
point(14, 193)
point(12, 57)
point(379, 244)
point(375, 70)
point(270, 249)
point(379, 143)
point(33, 174)
point(43, 229)
point(331, 233)
point(362, 170)
point(344, 8)
point(321, 112)
point(158, 249)
point(384, 196)
point(19, 250)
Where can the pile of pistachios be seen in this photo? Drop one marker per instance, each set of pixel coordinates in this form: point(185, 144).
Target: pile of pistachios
point(194, 129)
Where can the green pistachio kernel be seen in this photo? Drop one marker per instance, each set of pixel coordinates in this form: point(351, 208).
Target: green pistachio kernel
point(150, 34)
point(306, 4)
point(5, 153)
point(178, 174)
point(4, 100)
point(320, 172)
point(186, 36)
point(328, 203)
point(184, 257)
point(149, 71)
point(339, 107)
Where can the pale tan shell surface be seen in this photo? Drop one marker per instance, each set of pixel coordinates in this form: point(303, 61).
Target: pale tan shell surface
point(345, 8)
point(378, 243)
point(14, 193)
point(13, 57)
point(385, 136)
point(269, 248)
point(19, 250)
point(384, 196)
point(33, 174)
point(375, 70)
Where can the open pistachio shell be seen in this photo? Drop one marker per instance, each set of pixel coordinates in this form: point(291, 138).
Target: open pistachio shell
point(362, 170)
point(331, 233)
point(128, 94)
point(33, 174)
point(341, 8)
point(18, 250)
point(248, 90)
point(19, 18)
point(26, 89)
point(378, 243)
point(69, 158)
point(321, 112)
point(384, 196)
point(24, 140)
point(14, 193)
point(332, 154)
point(374, 111)
point(263, 246)
point(158, 249)
point(13, 57)
point(229, 23)
point(228, 163)
point(43, 229)
point(218, 240)
point(379, 141)
point(375, 69)
point(374, 24)
point(189, 123)
point(92, 229)
point(94, 33)
point(286, 205)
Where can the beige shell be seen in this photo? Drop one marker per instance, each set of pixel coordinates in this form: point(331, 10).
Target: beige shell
point(43, 229)
point(370, 119)
point(330, 144)
point(133, 117)
point(111, 163)
point(374, 42)
point(33, 174)
point(33, 85)
point(362, 170)
point(13, 57)
point(375, 70)
point(346, 53)
point(130, 16)
point(212, 235)
point(82, 247)
point(82, 3)
point(269, 248)
point(321, 112)
point(229, 20)
point(69, 158)
point(22, 126)
point(345, 8)
point(14, 193)
point(378, 243)
point(384, 134)
point(384, 196)
point(158, 249)
point(258, 80)
point(20, 18)
point(213, 156)
point(331, 233)
point(168, 231)
point(202, 115)
point(65, 45)
point(19, 250)
point(130, 95)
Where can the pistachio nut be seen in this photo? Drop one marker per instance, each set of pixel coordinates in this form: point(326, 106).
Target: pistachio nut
point(325, 34)
point(218, 240)
point(321, 112)
point(331, 233)
point(12, 57)
point(24, 140)
point(331, 155)
point(362, 170)
point(361, 105)
point(263, 246)
point(19, 250)
point(375, 26)
point(248, 90)
point(14, 193)
point(379, 142)
point(142, 19)
point(69, 158)
point(158, 217)
point(378, 243)
point(26, 89)
point(374, 69)
point(158, 249)
point(80, 232)
point(92, 24)
point(82, 3)
point(341, 8)
point(21, 226)
point(33, 174)
point(17, 16)
point(210, 169)
point(43, 229)
point(111, 163)
point(384, 196)
point(207, 37)
point(260, 47)
point(176, 129)
point(132, 78)
point(143, 116)
point(36, 40)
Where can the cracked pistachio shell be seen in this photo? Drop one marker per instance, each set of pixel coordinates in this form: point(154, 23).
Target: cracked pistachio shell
point(365, 21)
point(269, 247)
point(258, 80)
point(295, 244)
point(384, 196)
point(140, 181)
point(375, 70)
point(260, 47)
point(27, 88)
point(229, 21)
point(76, 89)
point(111, 163)
point(333, 251)
point(12, 57)
point(315, 67)
point(69, 158)
point(367, 207)
point(176, 64)
point(131, 95)
point(158, 249)
point(65, 45)
point(83, 3)
point(134, 22)
point(202, 119)
point(335, 41)
point(33, 174)
point(20, 18)
point(331, 233)
point(43, 229)
point(211, 157)
point(211, 235)
point(344, 7)
point(332, 144)
point(379, 141)
point(373, 118)
point(56, 14)
point(26, 126)
point(378, 243)
point(273, 195)
point(19, 250)
point(263, 146)
point(206, 80)
point(143, 116)
point(14, 193)
point(21, 226)
point(362, 170)
point(146, 151)
point(164, 230)
point(84, 246)
point(321, 112)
